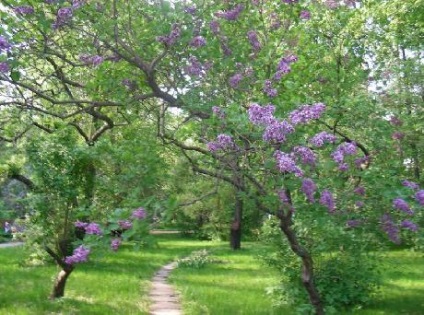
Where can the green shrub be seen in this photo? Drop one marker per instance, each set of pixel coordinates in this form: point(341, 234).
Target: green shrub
point(197, 259)
point(345, 278)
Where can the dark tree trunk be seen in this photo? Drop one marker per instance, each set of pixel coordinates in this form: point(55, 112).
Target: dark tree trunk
point(60, 283)
point(307, 275)
point(235, 236)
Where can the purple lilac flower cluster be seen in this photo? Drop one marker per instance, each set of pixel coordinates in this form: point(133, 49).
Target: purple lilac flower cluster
point(115, 243)
point(172, 38)
point(235, 80)
point(231, 15)
point(223, 142)
point(254, 41)
point(305, 15)
point(78, 3)
point(353, 223)
point(198, 41)
point(395, 121)
point(80, 254)
point(218, 112)
point(4, 44)
point(306, 155)
point(397, 135)
point(391, 229)
point(125, 224)
point(362, 162)
point(306, 113)
point(402, 205)
point(63, 16)
point(346, 148)
point(4, 67)
point(283, 66)
point(290, 1)
point(139, 213)
point(190, 9)
point(409, 225)
point(309, 188)
point(276, 131)
point(90, 228)
point(261, 115)
point(269, 90)
point(410, 184)
point(282, 195)
point(89, 60)
point(195, 67)
point(215, 27)
point(286, 164)
point(321, 138)
point(24, 10)
point(419, 196)
point(360, 190)
point(327, 200)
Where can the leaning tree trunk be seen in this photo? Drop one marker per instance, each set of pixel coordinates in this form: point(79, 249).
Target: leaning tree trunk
point(307, 265)
point(235, 236)
point(60, 283)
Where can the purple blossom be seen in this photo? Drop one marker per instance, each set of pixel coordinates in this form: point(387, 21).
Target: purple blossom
point(309, 188)
point(395, 121)
point(419, 196)
point(282, 195)
point(343, 167)
point(214, 26)
point(261, 115)
point(306, 155)
point(115, 243)
point(282, 68)
point(80, 254)
point(410, 184)
point(78, 3)
point(277, 131)
point(198, 41)
point(190, 9)
point(321, 138)
point(91, 60)
point(172, 38)
point(93, 228)
point(359, 204)
point(64, 14)
point(268, 89)
point(222, 142)
point(286, 164)
point(332, 4)
point(80, 224)
point(305, 15)
point(406, 224)
point(235, 80)
point(254, 40)
point(227, 50)
point(402, 205)
point(24, 10)
point(4, 67)
point(397, 135)
point(139, 214)
point(195, 68)
point(391, 229)
point(218, 111)
point(231, 15)
point(4, 44)
point(360, 190)
point(125, 224)
point(327, 200)
point(290, 1)
point(305, 113)
point(346, 148)
point(362, 162)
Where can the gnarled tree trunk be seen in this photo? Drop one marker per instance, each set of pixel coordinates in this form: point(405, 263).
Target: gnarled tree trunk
point(235, 233)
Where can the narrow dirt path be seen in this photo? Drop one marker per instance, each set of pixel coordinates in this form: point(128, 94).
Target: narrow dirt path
point(164, 299)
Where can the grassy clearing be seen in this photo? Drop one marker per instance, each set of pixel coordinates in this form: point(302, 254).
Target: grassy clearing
point(234, 285)
point(118, 283)
point(113, 284)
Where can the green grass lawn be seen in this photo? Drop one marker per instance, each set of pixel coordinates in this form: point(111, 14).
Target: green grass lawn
point(118, 283)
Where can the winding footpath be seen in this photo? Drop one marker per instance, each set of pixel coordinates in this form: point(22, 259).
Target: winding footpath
point(164, 299)
point(11, 244)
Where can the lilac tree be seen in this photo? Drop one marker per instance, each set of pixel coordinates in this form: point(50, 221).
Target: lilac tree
point(264, 95)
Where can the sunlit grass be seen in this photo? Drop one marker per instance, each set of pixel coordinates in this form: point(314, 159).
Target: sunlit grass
point(236, 284)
